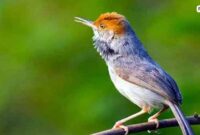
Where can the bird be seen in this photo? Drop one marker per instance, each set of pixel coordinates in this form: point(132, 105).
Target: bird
point(133, 71)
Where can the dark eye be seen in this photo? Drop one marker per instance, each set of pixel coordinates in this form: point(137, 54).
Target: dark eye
point(102, 26)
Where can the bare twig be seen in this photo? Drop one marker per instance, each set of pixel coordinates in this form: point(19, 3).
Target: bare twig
point(193, 120)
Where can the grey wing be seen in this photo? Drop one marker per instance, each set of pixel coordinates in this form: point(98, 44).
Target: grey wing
point(152, 77)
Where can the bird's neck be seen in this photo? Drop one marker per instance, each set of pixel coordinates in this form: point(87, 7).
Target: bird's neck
point(117, 48)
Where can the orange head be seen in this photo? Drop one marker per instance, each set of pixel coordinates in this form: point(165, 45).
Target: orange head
point(107, 22)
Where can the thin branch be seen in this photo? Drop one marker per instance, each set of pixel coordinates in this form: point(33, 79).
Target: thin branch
point(193, 120)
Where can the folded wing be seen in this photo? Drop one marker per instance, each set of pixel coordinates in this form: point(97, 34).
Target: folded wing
point(151, 77)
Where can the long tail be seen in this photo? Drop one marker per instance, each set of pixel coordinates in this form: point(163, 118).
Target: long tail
point(183, 123)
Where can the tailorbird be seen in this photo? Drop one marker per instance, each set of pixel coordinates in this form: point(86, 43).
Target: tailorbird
point(134, 73)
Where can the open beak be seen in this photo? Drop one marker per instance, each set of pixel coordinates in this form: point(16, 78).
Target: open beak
point(85, 22)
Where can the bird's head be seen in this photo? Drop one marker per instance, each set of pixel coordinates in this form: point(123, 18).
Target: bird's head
point(110, 33)
point(106, 24)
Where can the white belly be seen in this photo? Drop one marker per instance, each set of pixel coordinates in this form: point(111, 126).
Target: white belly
point(136, 94)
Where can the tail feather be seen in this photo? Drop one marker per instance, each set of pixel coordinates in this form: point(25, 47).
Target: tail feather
point(183, 123)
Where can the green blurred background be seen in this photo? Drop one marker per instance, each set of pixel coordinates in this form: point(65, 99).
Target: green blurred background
point(52, 80)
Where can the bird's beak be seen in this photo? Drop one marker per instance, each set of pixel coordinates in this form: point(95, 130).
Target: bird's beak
point(85, 22)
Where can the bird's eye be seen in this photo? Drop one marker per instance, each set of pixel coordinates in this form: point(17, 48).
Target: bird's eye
point(102, 26)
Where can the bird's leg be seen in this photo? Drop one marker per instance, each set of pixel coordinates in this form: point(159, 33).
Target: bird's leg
point(119, 124)
point(153, 118)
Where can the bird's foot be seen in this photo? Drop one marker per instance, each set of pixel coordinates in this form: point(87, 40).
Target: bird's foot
point(155, 120)
point(119, 124)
